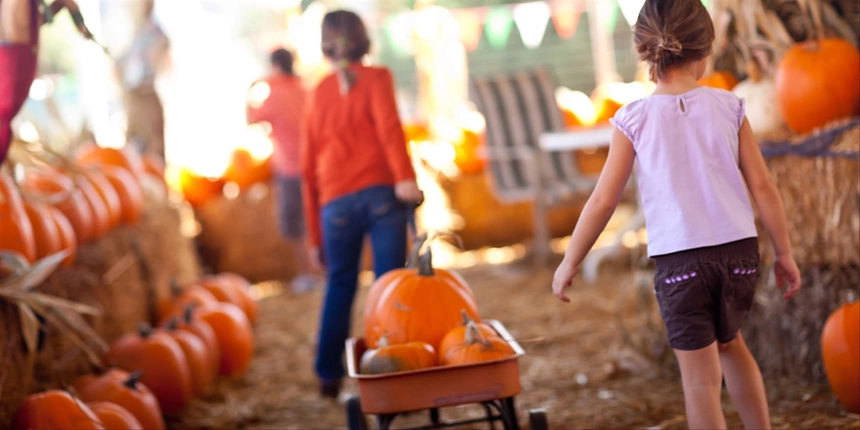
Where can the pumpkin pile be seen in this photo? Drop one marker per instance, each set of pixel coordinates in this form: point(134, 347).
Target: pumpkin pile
point(244, 170)
point(420, 317)
point(205, 331)
point(61, 206)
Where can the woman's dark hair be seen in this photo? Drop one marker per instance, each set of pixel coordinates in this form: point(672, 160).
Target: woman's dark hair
point(282, 59)
point(670, 33)
point(348, 25)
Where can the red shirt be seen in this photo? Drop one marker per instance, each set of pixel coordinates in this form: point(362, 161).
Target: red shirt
point(283, 109)
point(351, 142)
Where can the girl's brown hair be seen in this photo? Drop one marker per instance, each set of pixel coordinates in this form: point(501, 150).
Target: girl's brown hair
point(670, 33)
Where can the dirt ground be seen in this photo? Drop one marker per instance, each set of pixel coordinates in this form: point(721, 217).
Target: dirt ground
point(578, 365)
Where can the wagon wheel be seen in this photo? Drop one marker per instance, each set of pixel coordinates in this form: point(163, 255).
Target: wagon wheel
point(355, 418)
point(537, 419)
point(509, 414)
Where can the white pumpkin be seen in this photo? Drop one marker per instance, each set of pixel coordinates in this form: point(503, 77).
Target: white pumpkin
point(762, 110)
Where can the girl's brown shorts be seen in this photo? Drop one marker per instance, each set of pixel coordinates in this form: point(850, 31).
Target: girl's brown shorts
point(705, 294)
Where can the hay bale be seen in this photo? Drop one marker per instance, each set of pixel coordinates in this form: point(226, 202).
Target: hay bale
point(241, 235)
point(16, 368)
point(489, 222)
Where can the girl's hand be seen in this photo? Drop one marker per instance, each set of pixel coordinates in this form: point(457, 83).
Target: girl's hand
point(315, 260)
point(787, 273)
point(408, 191)
point(563, 278)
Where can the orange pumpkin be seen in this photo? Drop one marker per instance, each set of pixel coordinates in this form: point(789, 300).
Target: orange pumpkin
point(415, 132)
point(179, 298)
point(100, 216)
point(108, 194)
point(467, 153)
point(232, 288)
point(606, 109)
point(420, 304)
point(66, 233)
point(127, 158)
point(129, 192)
point(16, 228)
point(154, 165)
point(197, 189)
point(54, 409)
point(70, 200)
point(200, 361)
point(245, 170)
point(477, 348)
point(113, 416)
point(818, 82)
point(202, 330)
point(46, 235)
point(458, 335)
point(840, 351)
point(397, 358)
point(235, 337)
point(243, 286)
point(721, 79)
point(164, 366)
point(123, 389)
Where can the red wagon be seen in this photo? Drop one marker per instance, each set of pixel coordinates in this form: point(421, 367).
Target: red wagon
point(492, 384)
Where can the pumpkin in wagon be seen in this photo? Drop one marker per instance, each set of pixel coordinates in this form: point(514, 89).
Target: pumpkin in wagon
point(457, 336)
point(403, 357)
point(477, 348)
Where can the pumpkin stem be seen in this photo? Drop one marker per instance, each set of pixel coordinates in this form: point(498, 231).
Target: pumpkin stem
point(415, 253)
point(175, 288)
point(187, 313)
point(466, 319)
point(382, 342)
point(474, 335)
point(144, 329)
point(425, 264)
point(753, 70)
point(133, 379)
point(172, 324)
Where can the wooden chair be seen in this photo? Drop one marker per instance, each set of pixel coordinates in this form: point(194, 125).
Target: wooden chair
point(518, 109)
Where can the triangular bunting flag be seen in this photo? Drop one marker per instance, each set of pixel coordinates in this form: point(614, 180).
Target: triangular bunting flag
point(498, 27)
point(471, 24)
point(565, 16)
point(630, 9)
point(531, 19)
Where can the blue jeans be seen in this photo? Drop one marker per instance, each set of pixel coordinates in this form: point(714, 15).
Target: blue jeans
point(373, 211)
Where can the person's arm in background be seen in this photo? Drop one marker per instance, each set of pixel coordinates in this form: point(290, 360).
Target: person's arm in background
point(310, 187)
point(389, 131)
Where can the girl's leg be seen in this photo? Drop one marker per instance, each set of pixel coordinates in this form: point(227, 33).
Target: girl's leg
point(702, 379)
point(343, 233)
point(744, 383)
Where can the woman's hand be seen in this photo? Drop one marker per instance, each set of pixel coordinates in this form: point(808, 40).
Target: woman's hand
point(408, 191)
point(315, 259)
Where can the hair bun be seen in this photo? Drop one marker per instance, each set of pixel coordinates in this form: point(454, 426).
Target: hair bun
point(668, 46)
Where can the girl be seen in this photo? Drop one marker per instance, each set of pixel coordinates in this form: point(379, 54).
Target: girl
point(696, 157)
point(357, 180)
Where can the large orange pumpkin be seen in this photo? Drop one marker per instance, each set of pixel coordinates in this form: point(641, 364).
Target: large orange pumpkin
point(16, 228)
point(164, 366)
point(722, 79)
point(234, 333)
point(397, 358)
point(108, 194)
point(818, 82)
point(127, 158)
point(114, 417)
point(124, 389)
point(54, 409)
point(417, 304)
point(245, 170)
point(70, 200)
point(46, 235)
point(66, 233)
point(129, 192)
point(840, 351)
point(476, 348)
point(197, 189)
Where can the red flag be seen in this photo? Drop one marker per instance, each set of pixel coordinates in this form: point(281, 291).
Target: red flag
point(471, 23)
point(565, 16)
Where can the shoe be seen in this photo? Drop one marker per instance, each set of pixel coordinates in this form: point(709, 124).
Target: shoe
point(305, 283)
point(330, 389)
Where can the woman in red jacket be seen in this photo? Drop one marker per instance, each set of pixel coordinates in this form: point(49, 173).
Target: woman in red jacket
point(357, 179)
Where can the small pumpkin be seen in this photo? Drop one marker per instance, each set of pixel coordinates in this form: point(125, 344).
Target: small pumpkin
point(417, 304)
point(69, 200)
point(468, 152)
point(246, 170)
point(129, 192)
point(202, 330)
point(234, 333)
point(179, 298)
point(403, 357)
point(98, 209)
point(840, 351)
point(54, 409)
point(722, 79)
point(200, 361)
point(16, 227)
point(458, 335)
point(126, 158)
point(198, 189)
point(66, 233)
point(477, 348)
point(759, 93)
point(113, 416)
point(232, 288)
point(164, 366)
point(124, 389)
point(108, 194)
point(818, 82)
point(46, 235)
